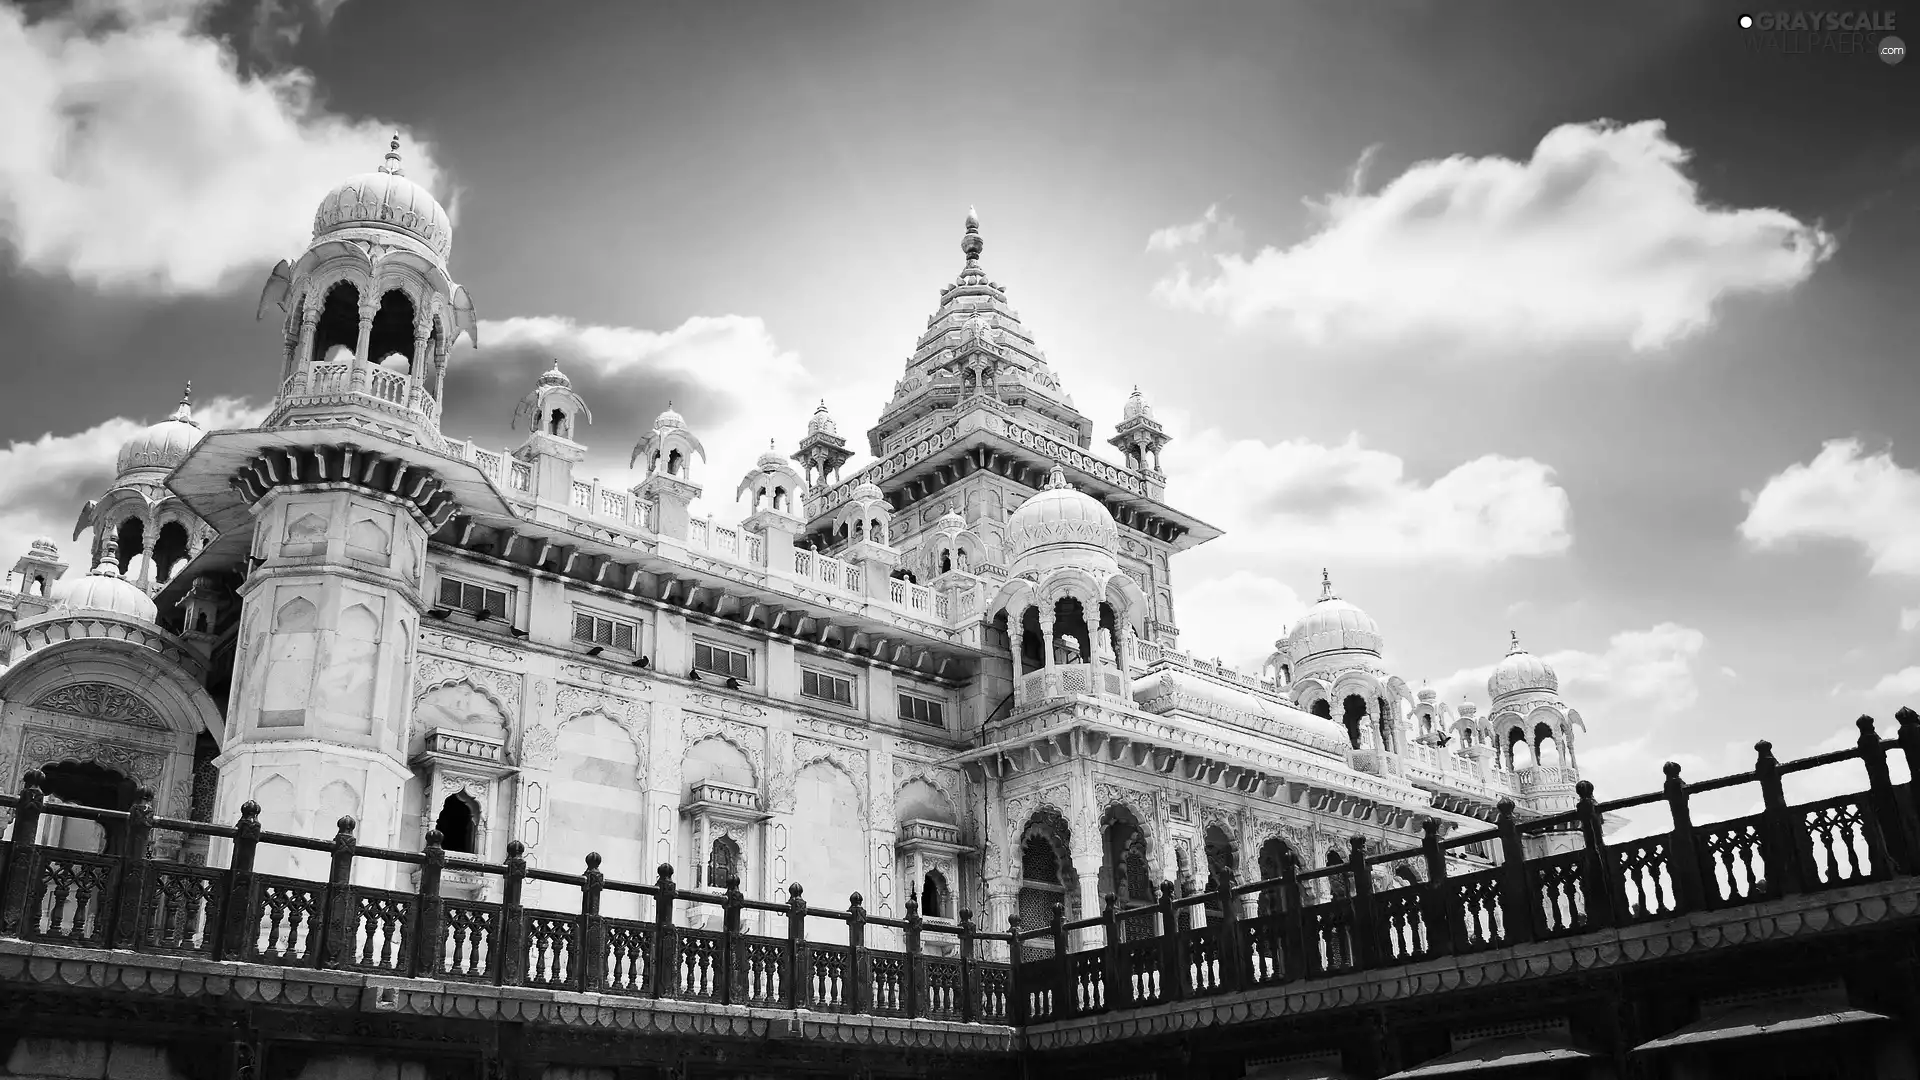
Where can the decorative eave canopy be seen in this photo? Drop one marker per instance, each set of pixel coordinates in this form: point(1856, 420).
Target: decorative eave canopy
point(985, 437)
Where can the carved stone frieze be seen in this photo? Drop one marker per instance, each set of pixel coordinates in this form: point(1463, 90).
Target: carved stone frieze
point(45, 747)
point(612, 680)
point(102, 701)
point(727, 706)
point(433, 672)
point(834, 730)
point(852, 762)
point(466, 646)
point(1056, 797)
point(539, 747)
point(746, 738)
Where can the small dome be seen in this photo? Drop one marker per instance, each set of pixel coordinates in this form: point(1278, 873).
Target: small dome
point(553, 376)
point(164, 445)
point(104, 590)
point(1137, 407)
point(951, 521)
point(867, 491)
point(822, 422)
point(771, 459)
point(45, 548)
point(1426, 695)
point(1061, 514)
point(385, 199)
point(1520, 672)
point(1468, 710)
point(1333, 625)
point(669, 419)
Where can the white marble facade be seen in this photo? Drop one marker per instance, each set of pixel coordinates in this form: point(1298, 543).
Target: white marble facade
point(950, 675)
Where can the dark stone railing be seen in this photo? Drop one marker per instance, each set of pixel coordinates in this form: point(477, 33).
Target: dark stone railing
point(1173, 950)
point(1784, 850)
point(135, 902)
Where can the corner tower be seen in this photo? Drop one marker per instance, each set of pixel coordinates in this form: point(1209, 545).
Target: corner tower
point(978, 423)
point(335, 495)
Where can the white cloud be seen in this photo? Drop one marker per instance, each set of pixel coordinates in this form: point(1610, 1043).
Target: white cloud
point(1600, 235)
point(1909, 619)
point(139, 157)
point(43, 483)
point(1299, 498)
point(736, 386)
point(1175, 237)
point(1235, 618)
point(1628, 695)
point(1844, 493)
point(1902, 684)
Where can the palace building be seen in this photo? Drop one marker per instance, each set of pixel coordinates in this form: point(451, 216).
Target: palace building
point(951, 676)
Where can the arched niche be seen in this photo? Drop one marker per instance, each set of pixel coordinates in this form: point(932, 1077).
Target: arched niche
point(460, 706)
point(828, 843)
point(714, 759)
point(919, 800)
point(596, 802)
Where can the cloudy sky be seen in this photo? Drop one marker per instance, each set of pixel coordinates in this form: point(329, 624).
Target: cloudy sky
point(1598, 327)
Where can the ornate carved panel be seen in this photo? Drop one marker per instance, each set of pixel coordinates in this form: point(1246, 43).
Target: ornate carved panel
point(746, 738)
point(102, 701)
point(45, 747)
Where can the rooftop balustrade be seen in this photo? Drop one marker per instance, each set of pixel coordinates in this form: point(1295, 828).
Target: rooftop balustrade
point(1307, 924)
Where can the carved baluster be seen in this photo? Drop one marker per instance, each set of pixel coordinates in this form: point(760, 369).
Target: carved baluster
point(237, 921)
point(733, 951)
point(915, 974)
point(23, 857)
point(1369, 933)
point(1016, 996)
point(1066, 992)
point(1296, 956)
point(1227, 936)
point(969, 988)
point(1783, 836)
point(1173, 948)
point(1113, 964)
point(1520, 907)
point(129, 900)
point(856, 992)
point(1604, 891)
point(340, 926)
point(1439, 915)
point(590, 962)
point(666, 952)
point(1888, 844)
point(429, 926)
point(1683, 851)
point(513, 917)
point(1910, 806)
point(799, 961)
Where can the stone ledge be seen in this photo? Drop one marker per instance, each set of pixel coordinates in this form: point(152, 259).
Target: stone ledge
point(50, 967)
point(1769, 921)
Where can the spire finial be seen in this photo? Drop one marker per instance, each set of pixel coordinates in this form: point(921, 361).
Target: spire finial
point(109, 557)
point(184, 410)
point(1326, 584)
point(970, 242)
point(1514, 636)
point(1057, 479)
point(392, 164)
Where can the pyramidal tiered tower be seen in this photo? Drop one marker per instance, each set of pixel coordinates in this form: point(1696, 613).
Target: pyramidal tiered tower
point(977, 424)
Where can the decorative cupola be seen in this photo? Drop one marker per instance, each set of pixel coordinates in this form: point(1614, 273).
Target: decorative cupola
point(153, 529)
point(863, 531)
point(371, 312)
point(551, 413)
point(772, 488)
point(668, 451)
point(105, 592)
point(1531, 729)
point(823, 451)
point(39, 570)
point(1140, 437)
point(950, 554)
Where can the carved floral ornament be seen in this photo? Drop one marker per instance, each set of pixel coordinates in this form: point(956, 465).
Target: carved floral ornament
point(102, 701)
point(46, 748)
point(750, 741)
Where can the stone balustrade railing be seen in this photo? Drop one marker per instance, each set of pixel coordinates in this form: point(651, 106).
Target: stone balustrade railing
point(1305, 925)
point(128, 900)
point(394, 391)
point(1319, 923)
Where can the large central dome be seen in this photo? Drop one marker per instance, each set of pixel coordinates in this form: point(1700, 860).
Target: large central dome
point(1061, 515)
point(1333, 625)
point(385, 199)
point(164, 445)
